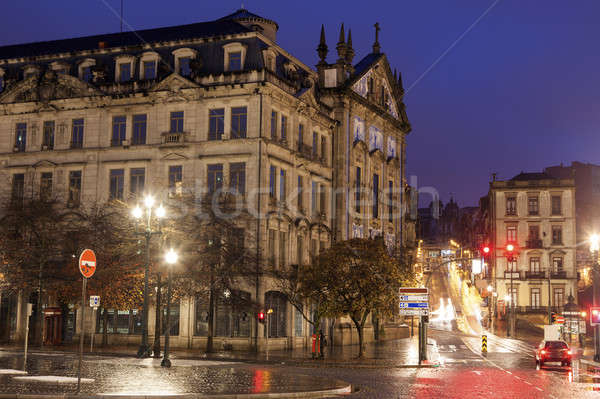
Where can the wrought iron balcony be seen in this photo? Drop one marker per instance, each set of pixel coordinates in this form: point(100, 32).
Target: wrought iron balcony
point(535, 275)
point(515, 275)
point(534, 243)
point(560, 274)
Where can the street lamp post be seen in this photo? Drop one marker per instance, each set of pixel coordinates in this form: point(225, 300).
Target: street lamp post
point(594, 247)
point(138, 213)
point(508, 298)
point(171, 258)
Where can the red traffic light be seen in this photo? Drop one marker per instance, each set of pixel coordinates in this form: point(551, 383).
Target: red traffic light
point(510, 247)
point(261, 317)
point(594, 316)
point(486, 250)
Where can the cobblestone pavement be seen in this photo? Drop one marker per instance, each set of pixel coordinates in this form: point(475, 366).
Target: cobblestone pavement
point(114, 375)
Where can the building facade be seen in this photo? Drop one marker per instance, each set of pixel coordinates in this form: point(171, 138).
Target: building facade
point(318, 155)
point(535, 213)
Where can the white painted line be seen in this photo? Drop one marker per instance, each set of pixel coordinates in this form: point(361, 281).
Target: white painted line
point(12, 371)
point(527, 382)
point(539, 389)
point(55, 379)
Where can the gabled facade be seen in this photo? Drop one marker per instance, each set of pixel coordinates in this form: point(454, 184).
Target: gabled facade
point(213, 104)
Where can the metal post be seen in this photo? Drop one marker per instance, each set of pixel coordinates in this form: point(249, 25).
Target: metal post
point(595, 302)
point(93, 332)
point(157, 326)
point(269, 331)
point(81, 333)
point(143, 350)
point(166, 362)
point(549, 296)
point(29, 307)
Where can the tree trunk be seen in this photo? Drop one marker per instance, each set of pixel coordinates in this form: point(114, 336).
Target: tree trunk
point(156, 346)
point(211, 319)
point(39, 319)
point(360, 324)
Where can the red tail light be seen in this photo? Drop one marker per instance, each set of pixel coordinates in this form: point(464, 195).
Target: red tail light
point(569, 352)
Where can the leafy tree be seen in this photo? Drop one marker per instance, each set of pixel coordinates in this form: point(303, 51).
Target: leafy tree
point(354, 278)
point(214, 236)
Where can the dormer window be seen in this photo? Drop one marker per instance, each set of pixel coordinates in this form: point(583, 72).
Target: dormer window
point(30, 71)
point(60, 68)
point(124, 72)
point(184, 66)
point(124, 68)
point(85, 70)
point(235, 55)
point(183, 61)
point(149, 70)
point(148, 65)
point(235, 61)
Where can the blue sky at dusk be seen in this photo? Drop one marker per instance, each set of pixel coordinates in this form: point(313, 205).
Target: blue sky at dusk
point(519, 92)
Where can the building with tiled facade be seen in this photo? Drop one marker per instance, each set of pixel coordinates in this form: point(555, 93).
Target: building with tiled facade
point(318, 155)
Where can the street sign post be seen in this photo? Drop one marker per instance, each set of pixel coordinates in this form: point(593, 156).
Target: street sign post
point(414, 301)
point(87, 267)
point(94, 304)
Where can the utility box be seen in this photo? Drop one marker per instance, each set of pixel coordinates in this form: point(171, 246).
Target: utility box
point(552, 332)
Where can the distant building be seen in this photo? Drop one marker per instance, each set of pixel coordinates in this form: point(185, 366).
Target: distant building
point(535, 212)
point(587, 209)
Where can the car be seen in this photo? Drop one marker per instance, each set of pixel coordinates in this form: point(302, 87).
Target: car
point(553, 351)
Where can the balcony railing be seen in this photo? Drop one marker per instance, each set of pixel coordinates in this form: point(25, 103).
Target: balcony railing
point(515, 275)
point(560, 274)
point(534, 243)
point(535, 274)
point(172, 138)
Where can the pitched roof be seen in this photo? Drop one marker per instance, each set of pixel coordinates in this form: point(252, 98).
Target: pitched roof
point(190, 31)
point(363, 65)
point(531, 176)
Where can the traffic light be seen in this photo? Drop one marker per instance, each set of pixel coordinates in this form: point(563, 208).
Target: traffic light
point(485, 251)
point(594, 316)
point(261, 317)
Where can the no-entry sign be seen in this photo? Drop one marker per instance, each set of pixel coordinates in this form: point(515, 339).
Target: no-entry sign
point(87, 263)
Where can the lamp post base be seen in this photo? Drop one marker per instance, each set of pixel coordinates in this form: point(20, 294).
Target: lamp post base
point(165, 363)
point(143, 351)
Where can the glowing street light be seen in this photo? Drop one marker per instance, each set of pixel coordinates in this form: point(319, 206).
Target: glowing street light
point(594, 242)
point(507, 298)
point(138, 213)
point(490, 288)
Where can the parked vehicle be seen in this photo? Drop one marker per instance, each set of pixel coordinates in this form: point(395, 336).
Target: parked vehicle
point(553, 351)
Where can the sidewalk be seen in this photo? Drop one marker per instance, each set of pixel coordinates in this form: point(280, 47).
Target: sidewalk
point(394, 353)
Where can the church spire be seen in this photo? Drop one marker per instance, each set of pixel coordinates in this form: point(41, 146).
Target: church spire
point(349, 49)
point(376, 46)
point(322, 48)
point(341, 46)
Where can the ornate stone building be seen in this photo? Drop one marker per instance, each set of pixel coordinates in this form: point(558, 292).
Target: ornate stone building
point(319, 155)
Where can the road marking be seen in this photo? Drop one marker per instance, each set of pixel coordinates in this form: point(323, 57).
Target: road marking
point(539, 389)
point(527, 382)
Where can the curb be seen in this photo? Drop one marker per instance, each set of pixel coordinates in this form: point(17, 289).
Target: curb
point(590, 362)
point(346, 390)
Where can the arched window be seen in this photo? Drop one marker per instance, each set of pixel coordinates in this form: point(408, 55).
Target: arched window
point(276, 320)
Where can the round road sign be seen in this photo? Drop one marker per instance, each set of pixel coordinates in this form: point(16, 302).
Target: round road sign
point(87, 263)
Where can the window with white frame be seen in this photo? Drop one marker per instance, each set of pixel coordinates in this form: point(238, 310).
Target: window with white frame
point(124, 68)
point(235, 56)
point(84, 70)
point(183, 59)
point(149, 65)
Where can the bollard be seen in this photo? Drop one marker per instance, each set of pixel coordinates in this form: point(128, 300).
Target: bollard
point(483, 344)
point(314, 345)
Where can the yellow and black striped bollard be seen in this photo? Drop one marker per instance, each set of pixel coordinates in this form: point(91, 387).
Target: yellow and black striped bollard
point(484, 344)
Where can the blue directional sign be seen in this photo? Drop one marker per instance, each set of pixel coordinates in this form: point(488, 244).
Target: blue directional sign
point(414, 305)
